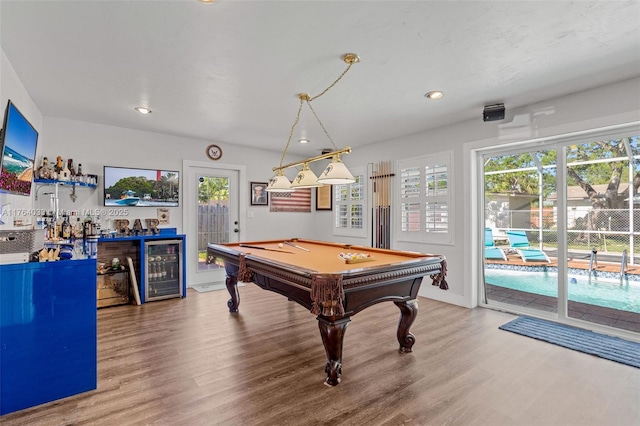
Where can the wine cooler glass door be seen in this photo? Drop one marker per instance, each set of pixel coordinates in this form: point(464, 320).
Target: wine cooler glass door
point(163, 266)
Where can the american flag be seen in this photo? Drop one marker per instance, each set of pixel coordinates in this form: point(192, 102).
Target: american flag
point(296, 201)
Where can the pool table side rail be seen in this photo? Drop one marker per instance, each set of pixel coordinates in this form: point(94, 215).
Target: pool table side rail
point(359, 292)
point(395, 282)
point(420, 265)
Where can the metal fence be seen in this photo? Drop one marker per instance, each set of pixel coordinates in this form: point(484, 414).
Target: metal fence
point(608, 231)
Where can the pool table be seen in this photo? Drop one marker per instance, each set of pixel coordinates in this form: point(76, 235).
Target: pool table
point(321, 277)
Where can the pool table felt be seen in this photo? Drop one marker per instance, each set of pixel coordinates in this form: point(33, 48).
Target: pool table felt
point(324, 257)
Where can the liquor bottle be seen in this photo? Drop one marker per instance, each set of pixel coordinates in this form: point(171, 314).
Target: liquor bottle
point(50, 233)
point(58, 168)
point(43, 170)
point(64, 174)
point(66, 228)
point(77, 228)
point(79, 172)
point(86, 226)
point(57, 226)
point(72, 171)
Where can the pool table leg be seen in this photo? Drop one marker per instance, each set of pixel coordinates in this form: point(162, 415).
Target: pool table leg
point(408, 313)
point(332, 333)
point(232, 287)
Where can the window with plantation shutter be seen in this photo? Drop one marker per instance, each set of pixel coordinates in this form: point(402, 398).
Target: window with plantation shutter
point(349, 206)
point(425, 199)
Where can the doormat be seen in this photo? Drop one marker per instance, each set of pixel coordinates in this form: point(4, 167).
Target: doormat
point(204, 288)
point(601, 345)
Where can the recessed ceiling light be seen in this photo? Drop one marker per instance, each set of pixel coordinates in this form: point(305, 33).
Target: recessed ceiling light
point(304, 141)
point(434, 94)
point(143, 110)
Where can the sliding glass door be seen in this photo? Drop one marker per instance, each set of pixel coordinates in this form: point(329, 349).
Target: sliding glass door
point(560, 229)
point(520, 231)
point(603, 221)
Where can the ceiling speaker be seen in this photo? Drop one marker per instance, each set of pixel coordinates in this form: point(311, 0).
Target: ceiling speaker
point(493, 112)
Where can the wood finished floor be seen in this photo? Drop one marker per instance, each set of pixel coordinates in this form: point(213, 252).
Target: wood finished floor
point(190, 362)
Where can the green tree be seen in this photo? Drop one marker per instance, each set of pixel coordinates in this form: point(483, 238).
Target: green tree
point(213, 189)
point(167, 187)
point(137, 184)
point(509, 179)
point(610, 173)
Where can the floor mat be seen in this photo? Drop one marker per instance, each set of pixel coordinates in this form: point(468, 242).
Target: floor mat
point(203, 288)
point(607, 347)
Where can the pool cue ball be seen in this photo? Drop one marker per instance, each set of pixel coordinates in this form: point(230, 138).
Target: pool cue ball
point(280, 245)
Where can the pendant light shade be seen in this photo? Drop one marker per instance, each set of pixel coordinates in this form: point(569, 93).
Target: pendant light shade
point(336, 173)
point(279, 183)
point(305, 178)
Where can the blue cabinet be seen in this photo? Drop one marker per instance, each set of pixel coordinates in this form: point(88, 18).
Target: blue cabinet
point(159, 262)
point(48, 332)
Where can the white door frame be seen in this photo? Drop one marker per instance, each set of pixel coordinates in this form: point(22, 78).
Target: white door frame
point(190, 169)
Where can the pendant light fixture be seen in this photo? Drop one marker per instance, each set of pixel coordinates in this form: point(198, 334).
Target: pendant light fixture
point(336, 172)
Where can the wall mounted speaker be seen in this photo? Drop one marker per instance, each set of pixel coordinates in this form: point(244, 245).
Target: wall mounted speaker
point(493, 112)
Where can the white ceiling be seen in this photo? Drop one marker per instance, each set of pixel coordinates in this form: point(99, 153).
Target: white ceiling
point(230, 71)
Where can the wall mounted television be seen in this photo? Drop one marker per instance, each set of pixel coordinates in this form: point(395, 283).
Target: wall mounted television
point(129, 187)
point(18, 142)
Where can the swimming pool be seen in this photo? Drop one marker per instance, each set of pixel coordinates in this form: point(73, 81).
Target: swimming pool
point(597, 291)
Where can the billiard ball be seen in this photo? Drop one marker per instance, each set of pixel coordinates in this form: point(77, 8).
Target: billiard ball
point(280, 245)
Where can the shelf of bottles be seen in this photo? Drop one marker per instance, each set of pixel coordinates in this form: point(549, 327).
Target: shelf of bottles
point(163, 269)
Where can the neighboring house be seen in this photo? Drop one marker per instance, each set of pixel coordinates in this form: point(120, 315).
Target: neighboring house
point(516, 210)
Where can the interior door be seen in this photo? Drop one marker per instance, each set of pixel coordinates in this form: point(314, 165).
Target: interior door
point(212, 216)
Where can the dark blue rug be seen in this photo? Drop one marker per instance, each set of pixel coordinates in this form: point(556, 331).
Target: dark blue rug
point(607, 347)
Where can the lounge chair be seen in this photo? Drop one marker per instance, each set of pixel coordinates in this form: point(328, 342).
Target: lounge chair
point(519, 242)
point(490, 249)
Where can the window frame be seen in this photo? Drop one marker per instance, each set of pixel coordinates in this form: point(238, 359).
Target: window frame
point(421, 163)
point(363, 201)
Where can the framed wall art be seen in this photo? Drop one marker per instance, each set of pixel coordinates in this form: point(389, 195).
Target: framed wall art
point(259, 197)
point(297, 201)
point(324, 198)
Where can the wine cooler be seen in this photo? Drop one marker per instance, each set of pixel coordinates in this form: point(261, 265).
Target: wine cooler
point(163, 269)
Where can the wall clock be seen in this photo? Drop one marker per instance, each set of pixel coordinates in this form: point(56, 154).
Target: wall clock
point(214, 152)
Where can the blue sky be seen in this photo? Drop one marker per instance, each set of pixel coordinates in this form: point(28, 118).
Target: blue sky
point(20, 136)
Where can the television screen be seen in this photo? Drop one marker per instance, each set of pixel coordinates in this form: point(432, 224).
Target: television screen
point(18, 146)
point(141, 187)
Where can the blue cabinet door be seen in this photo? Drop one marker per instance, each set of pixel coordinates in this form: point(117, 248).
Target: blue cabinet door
point(48, 333)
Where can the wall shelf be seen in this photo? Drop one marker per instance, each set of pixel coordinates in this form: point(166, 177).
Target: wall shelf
point(64, 183)
point(40, 183)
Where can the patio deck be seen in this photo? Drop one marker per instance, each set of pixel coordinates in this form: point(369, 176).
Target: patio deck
point(577, 261)
point(624, 320)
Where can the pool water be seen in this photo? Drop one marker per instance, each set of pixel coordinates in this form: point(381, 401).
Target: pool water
point(595, 291)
